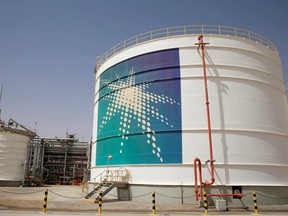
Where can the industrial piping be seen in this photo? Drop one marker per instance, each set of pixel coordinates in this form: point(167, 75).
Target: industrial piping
point(200, 39)
point(197, 161)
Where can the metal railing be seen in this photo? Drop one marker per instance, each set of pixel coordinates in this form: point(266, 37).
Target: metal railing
point(185, 31)
point(115, 176)
point(120, 176)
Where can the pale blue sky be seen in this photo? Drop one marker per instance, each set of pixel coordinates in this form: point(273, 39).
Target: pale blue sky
point(48, 48)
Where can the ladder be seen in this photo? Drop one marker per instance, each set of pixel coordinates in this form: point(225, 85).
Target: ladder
point(108, 187)
point(106, 181)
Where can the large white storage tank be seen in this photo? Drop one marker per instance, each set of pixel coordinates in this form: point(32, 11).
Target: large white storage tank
point(13, 152)
point(150, 116)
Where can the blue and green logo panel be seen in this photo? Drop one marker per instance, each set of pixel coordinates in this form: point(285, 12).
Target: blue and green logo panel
point(139, 111)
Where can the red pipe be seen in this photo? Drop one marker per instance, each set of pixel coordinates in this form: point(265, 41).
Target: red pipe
point(222, 195)
point(197, 161)
point(200, 39)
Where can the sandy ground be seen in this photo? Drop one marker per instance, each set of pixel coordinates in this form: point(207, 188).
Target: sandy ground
point(33, 197)
point(71, 199)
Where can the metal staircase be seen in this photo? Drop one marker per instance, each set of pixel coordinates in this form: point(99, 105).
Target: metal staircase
point(106, 181)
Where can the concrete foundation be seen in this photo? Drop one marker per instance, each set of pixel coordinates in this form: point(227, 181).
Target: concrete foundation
point(220, 205)
point(266, 195)
point(10, 183)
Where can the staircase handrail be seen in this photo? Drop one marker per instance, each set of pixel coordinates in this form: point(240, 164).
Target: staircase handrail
point(117, 176)
point(109, 176)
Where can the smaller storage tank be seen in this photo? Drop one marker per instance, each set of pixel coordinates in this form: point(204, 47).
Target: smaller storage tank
point(13, 152)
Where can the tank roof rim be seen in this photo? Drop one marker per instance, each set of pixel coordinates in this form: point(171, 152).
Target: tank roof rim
point(163, 33)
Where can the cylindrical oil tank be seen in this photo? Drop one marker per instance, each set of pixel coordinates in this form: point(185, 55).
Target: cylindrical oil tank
point(150, 112)
point(13, 151)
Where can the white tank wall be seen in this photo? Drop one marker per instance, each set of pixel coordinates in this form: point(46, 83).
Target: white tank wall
point(13, 150)
point(248, 106)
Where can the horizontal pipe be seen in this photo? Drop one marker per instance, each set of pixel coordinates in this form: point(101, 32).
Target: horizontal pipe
point(222, 195)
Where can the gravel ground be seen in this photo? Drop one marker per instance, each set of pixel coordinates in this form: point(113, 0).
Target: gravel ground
point(71, 199)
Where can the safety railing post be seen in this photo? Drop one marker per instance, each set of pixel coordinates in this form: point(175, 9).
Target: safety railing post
point(255, 203)
point(100, 203)
point(45, 200)
point(153, 204)
point(205, 203)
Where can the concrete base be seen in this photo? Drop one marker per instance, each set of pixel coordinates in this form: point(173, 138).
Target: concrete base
point(10, 183)
point(266, 195)
point(123, 193)
point(220, 205)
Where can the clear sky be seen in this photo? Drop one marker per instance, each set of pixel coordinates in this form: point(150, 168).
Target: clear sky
point(48, 48)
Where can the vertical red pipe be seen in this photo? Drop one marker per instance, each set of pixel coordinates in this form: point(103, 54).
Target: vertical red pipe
point(197, 163)
point(200, 39)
